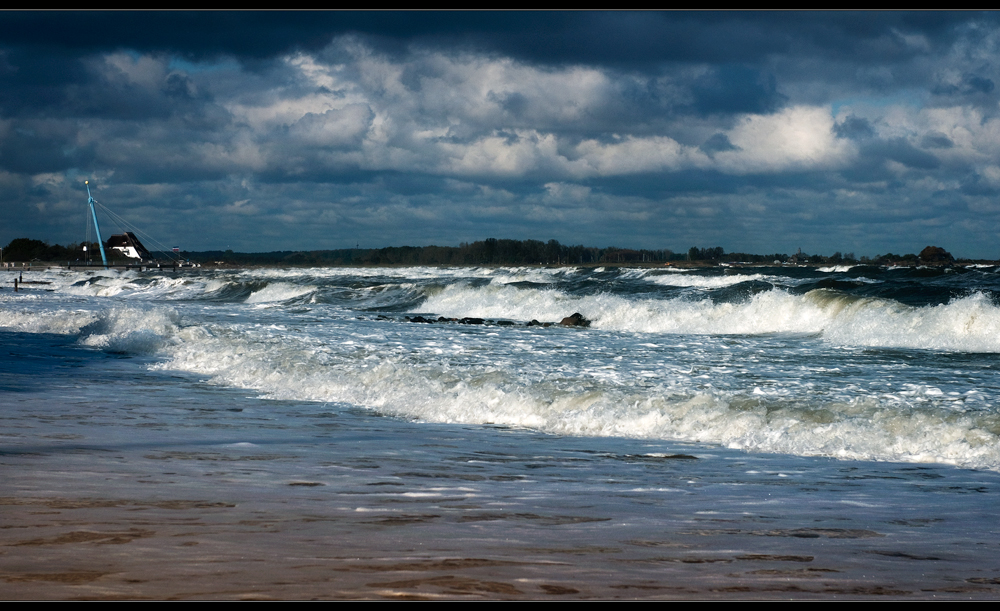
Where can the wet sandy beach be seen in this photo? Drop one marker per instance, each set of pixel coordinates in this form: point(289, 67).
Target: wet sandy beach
point(450, 534)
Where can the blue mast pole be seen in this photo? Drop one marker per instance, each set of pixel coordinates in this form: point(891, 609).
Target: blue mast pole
point(97, 228)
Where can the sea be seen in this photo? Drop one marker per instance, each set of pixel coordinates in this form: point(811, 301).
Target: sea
point(424, 433)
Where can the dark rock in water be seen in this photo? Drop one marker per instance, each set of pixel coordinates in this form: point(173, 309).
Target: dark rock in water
point(535, 323)
point(576, 320)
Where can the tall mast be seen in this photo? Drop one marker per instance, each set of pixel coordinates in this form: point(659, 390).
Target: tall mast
point(97, 228)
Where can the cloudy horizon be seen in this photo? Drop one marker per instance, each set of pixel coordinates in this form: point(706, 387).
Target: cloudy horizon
point(758, 132)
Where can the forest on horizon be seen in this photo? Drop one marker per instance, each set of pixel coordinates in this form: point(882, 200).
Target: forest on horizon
point(491, 251)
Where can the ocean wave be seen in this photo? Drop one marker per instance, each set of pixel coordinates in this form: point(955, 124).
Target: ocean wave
point(761, 369)
point(129, 330)
point(835, 268)
point(967, 324)
point(123, 329)
point(279, 291)
point(920, 428)
point(709, 282)
point(61, 321)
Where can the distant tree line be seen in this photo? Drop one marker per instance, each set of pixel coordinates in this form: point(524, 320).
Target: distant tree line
point(491, 251)
point(25, 249)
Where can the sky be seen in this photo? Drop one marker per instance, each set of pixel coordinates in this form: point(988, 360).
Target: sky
point(759, 132)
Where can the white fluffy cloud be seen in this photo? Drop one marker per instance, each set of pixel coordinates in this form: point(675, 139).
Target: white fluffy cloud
point(797, 138)
point(466, 115)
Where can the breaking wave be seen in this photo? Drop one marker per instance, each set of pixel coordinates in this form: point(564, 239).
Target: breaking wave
point(968, 324)
point(437, 389)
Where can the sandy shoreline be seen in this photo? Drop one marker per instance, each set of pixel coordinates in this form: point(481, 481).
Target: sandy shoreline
point(114, 549)
point(454, 548)
point(351, 511)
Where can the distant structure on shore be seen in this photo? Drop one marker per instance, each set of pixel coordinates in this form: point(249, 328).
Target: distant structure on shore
point(129, 245)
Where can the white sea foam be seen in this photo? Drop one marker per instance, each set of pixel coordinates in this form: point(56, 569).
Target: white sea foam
point(536, 275)
point(970, 324)
point(63, 322)
point(279, 291)
point(677, 379)
point(129, 285)
point(215, 285)
point(607, 311)
point(122, 329)
point(634, 273)
point(418, 384)
point(106, 284)
point(408, 273)
point(130, 330)
point(499, 301)
point(835, 268)
point(707, 282)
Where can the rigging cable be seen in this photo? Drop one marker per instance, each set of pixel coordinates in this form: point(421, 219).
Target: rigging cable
point(127, 226)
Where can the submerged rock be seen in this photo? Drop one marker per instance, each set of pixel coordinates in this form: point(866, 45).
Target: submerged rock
point(576, 320)
point(535, 323)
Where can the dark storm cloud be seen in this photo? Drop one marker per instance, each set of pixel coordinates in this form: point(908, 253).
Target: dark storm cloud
point(968, 86)
point(626, 38)
point(901, 151)
point(194, 35)
point(717, 143)
point(936, 140)
point(36, 147)
point(34, 83)
point(736, 89)
point(978, 185)
point(855, 128)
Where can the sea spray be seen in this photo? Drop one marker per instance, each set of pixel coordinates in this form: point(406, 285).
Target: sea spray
point(130, 330)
